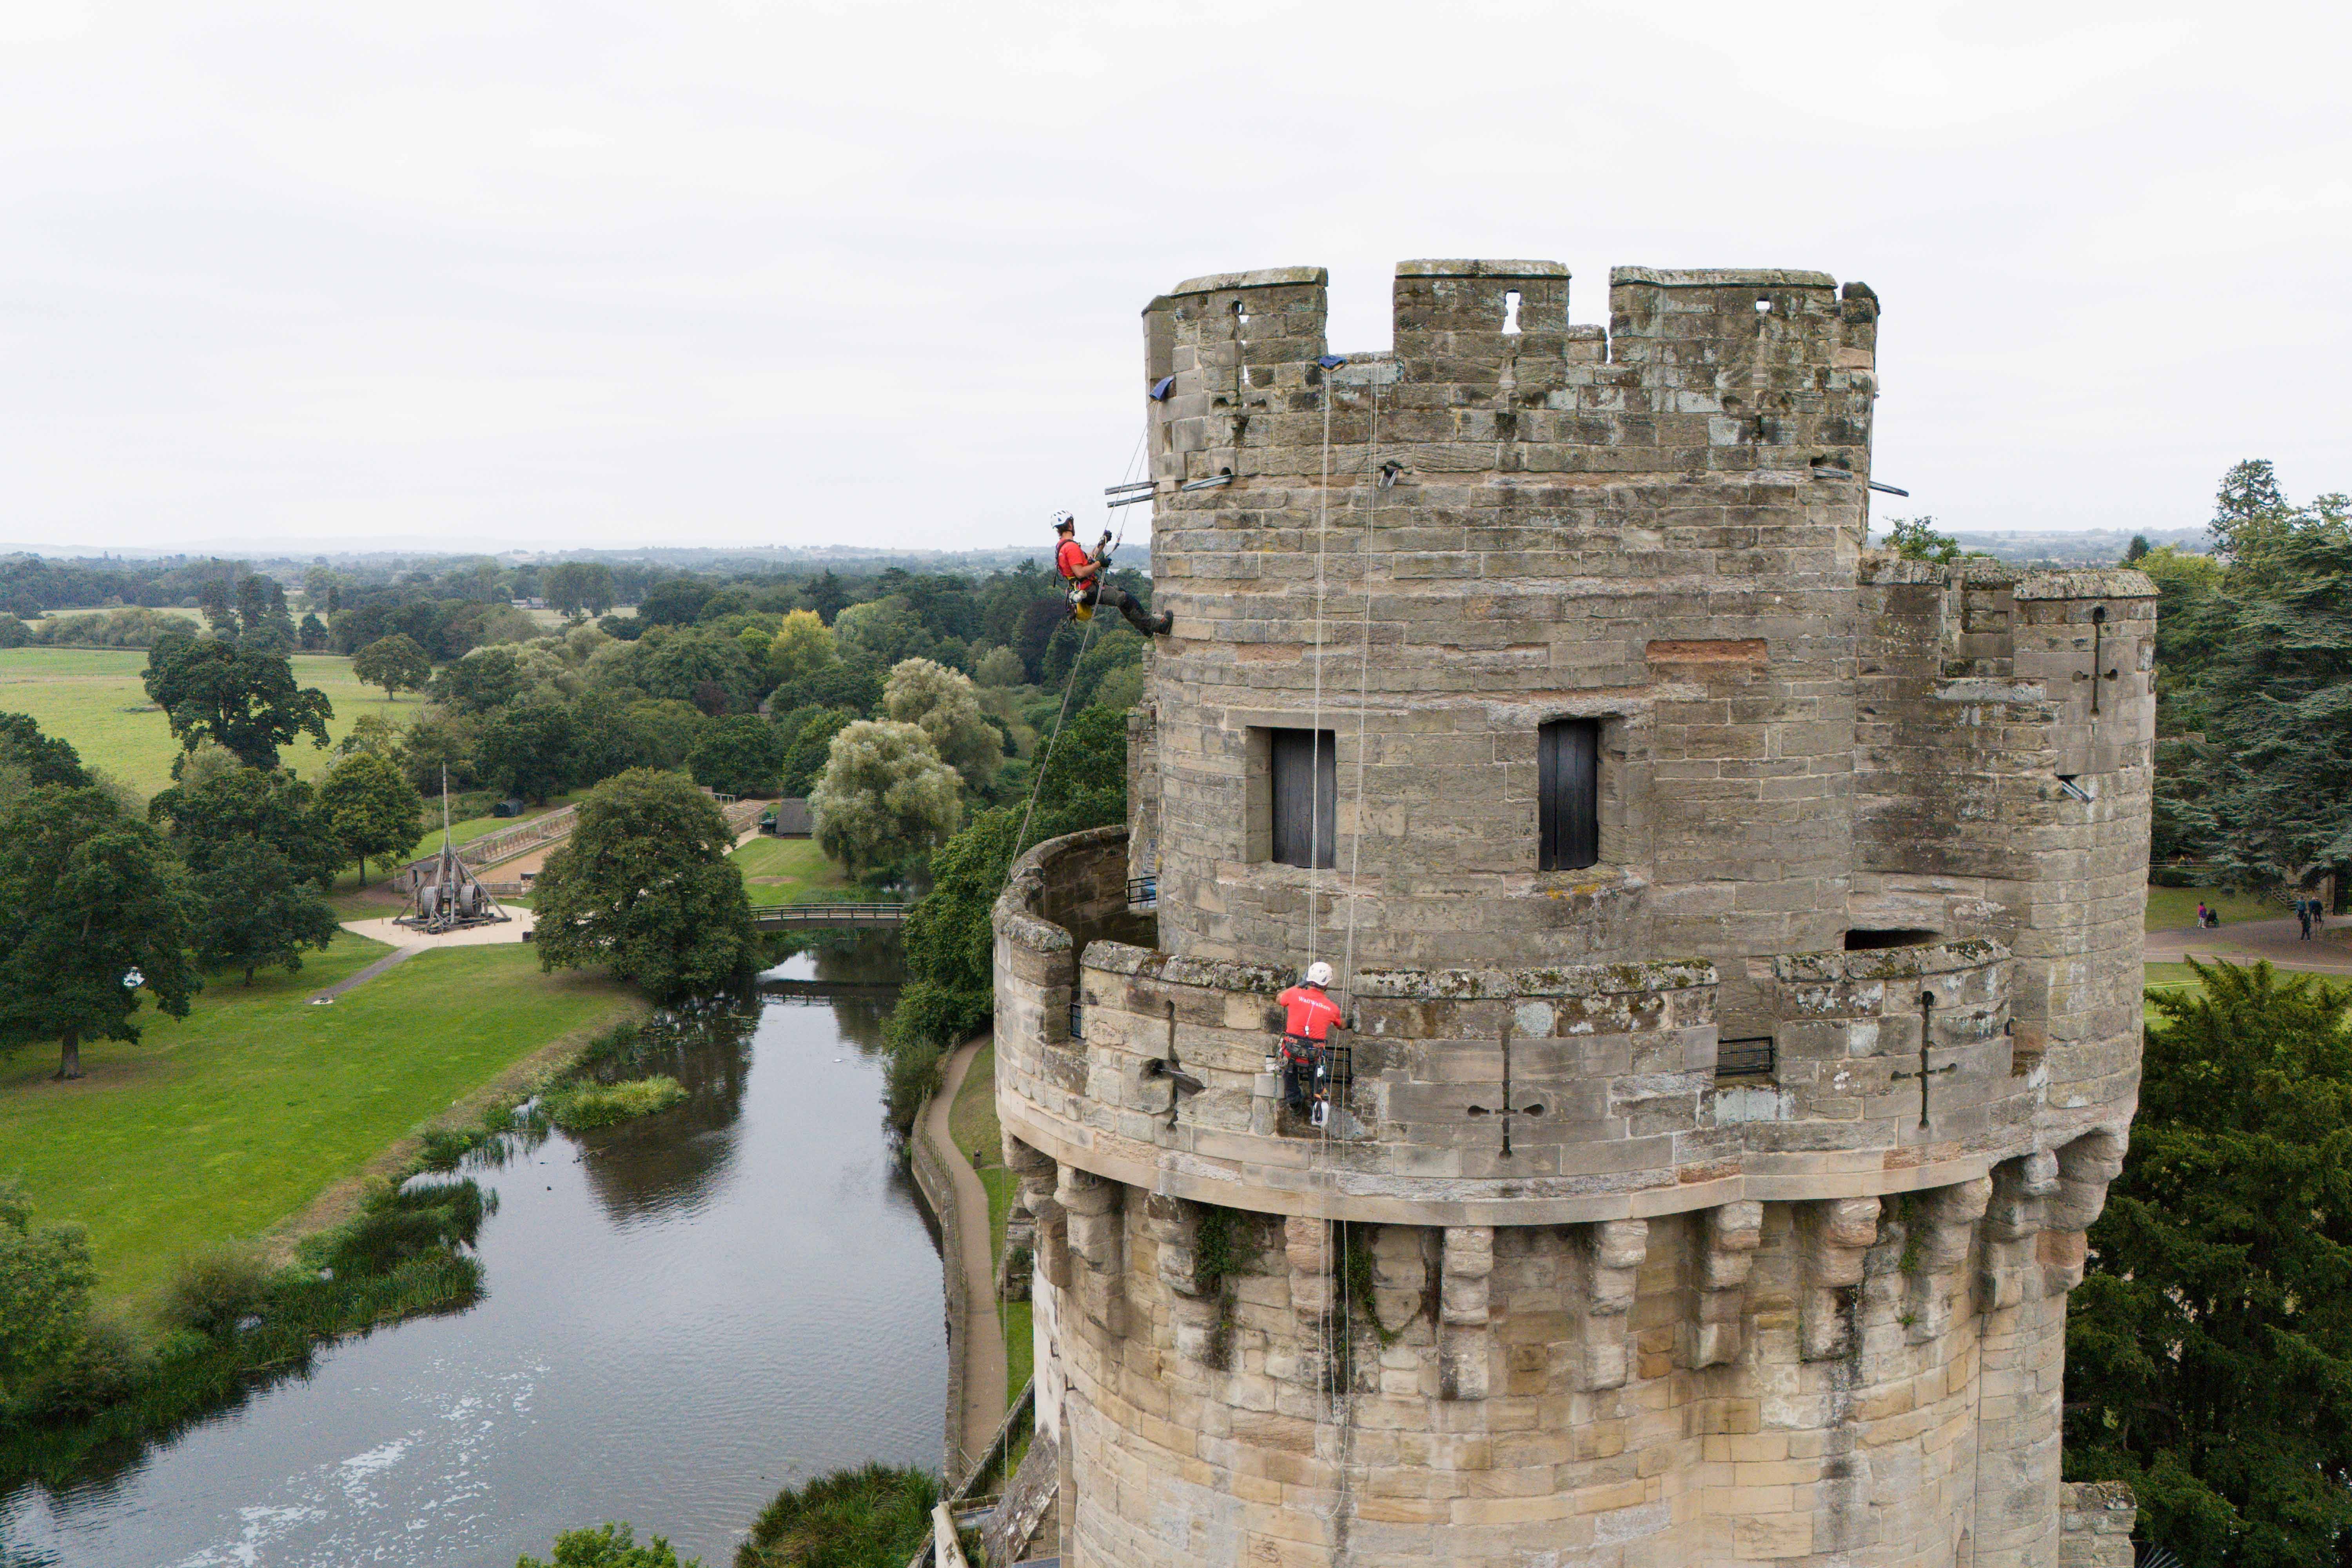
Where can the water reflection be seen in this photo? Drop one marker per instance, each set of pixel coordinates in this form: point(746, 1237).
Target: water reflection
point(670, 1162)
point(684, 1314)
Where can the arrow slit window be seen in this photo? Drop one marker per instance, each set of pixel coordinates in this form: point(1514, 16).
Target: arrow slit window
point(1568, 786)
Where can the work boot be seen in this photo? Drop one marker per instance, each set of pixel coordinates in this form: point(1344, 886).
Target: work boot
point(1162, 622)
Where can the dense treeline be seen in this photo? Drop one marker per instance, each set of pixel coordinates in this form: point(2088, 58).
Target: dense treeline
point(2255, 664)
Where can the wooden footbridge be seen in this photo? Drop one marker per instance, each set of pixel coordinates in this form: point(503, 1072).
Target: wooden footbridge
point(827, 917)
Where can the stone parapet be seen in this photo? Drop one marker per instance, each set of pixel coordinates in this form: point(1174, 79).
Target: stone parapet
point(1609, 1074)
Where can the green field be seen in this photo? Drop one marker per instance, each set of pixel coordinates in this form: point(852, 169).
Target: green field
point(2175, 908)
point(92, 697)
point(788, 871)
point(218, 1126)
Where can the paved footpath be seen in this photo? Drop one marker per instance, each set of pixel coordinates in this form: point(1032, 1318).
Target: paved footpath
point(985, 1392)
point(2279, 941)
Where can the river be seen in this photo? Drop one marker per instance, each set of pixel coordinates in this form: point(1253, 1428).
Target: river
point(684, 1313)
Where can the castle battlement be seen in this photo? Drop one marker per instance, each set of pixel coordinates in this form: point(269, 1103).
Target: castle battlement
point(1725, 371)
point(1739, 932)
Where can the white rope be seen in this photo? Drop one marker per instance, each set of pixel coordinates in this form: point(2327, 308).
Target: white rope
point(1314, 750)
point(1037, 780)
point(1363, 706)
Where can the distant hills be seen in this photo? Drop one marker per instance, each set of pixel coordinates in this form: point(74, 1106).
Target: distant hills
point(2092, 547)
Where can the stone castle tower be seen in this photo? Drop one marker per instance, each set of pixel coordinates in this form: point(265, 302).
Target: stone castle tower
point(1740, 933)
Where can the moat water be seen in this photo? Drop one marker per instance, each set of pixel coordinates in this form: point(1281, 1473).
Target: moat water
point(684, 1314)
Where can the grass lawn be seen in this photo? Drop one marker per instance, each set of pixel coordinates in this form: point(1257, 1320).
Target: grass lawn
point(2175, 908)
point(788, 871)
point(217, 1126)
point(84, 695)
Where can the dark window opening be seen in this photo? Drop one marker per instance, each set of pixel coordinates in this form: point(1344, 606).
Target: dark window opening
point(1568, 784)
point(1305, 798)
point(1745, 1058)
point(1896, 936)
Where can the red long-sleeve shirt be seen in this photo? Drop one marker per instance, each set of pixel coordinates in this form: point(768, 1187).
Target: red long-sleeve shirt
point(1308, 1012)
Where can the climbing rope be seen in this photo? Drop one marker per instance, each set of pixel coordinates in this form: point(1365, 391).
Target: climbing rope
point(1037, 779)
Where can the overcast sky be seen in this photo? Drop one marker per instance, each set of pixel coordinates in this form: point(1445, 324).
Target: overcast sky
point(485, 276)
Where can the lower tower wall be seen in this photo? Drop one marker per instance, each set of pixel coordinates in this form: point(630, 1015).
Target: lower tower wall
point(1781, 1383)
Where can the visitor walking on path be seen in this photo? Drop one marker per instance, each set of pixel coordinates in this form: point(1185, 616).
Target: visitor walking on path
point(2302, 909)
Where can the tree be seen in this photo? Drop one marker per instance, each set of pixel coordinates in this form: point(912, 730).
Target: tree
point(801, 647)
point(611, 1546)
point(949, 935)
point(2269, 787)
point(394, 663)
point(2250, 509)
point(249, 805)
point(737, 755)
point(1001, 668)
point(372, 808)
point(255, 909)
point(943, 704)
point(645, 886)
point(1915, 539)
point(45, 1279)
point(573, 587)
point(2137, 551)
point(808, 735)
point(11, 630)
point(885, 798)
point(827, 596)
point(376, 735)
point(2209, 1348)
point(313, 634)
point(526, 750)
point(884, 630)
point(243, 698)
point(93, 910)
point(43, 759)
point(674, 664)
point(483, 681)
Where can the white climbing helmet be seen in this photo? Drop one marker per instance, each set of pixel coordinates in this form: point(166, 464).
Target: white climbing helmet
point(1318, 974)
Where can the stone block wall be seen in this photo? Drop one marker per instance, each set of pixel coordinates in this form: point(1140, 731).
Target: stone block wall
point(1615, 1106)
point(1784, 1382)
point(1656, 529)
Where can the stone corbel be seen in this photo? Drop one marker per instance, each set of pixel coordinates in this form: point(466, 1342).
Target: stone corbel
point(1730, 1235)
point(1835, 1236)
point(1307, 1243)
point(1945, 1221)
point(2011, 1272)
point(1466, 1343)
point(1613, 1251)
point(1092, 1204)
point(2086, 1167)
point(1175, 1227)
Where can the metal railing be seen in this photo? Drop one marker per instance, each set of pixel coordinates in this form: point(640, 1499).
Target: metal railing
point(1143, 892)
point(844, 917)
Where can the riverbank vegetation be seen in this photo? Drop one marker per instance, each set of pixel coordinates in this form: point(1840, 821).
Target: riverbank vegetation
point(109, 1383)
point(877, 1516)
point(583, 1107)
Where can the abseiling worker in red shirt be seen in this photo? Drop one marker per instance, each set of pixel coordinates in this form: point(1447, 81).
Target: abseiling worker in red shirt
point(1088, 589)
point(1307, 1015)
